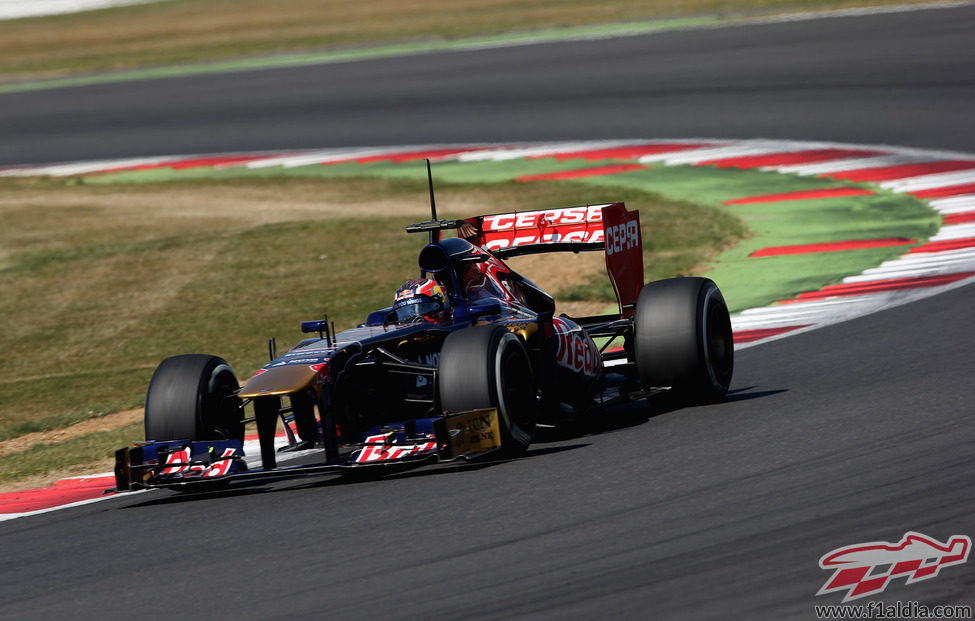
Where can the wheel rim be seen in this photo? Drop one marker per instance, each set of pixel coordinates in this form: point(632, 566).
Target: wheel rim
point(515, 388)
point(719, 346)
point(219, 414)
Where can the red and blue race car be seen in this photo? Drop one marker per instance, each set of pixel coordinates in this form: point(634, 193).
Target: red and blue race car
point(465, 364)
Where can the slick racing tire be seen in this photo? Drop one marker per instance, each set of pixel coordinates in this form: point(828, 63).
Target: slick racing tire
point(191, 397)
point(484, 367)
point(684, 339)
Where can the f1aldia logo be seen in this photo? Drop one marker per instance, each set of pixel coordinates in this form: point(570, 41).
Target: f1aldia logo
point(867, 568)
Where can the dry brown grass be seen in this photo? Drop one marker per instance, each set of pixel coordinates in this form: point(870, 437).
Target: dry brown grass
point(106, 259)
point(92, 425)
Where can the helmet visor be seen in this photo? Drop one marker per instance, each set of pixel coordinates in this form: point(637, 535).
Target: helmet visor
point(412, 310)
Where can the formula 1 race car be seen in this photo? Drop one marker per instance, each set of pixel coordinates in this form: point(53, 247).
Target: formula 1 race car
point(465, 364)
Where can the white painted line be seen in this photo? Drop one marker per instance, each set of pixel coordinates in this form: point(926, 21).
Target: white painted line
point(817, 313)
point(954, 231)
point(911, 269)
point(514, 152)
point(873, 302)
point(11, 516)
point(308, 158)
point(912, 265)
point(695, 156)
point(786, 309)
point(80, 168)
point(915, 272)
point(814, 311)
point(927, 258)
point(280, 160)
point(953, 204)
point(851, 164)
point(755, 148)
point(929, 182)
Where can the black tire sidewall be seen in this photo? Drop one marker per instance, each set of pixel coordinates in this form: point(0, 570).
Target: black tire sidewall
point(472, 375)
point(188, 399)
point(717, 341)
point(683, 338)
point(511, 357)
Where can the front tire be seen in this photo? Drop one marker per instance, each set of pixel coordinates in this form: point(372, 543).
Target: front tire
point(488, 366)
point(191, 397)
point(684, 339)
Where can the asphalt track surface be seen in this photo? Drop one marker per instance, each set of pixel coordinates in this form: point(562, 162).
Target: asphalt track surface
point(853, 433)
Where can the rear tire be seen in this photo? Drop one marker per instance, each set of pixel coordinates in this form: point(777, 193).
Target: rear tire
point(191, 397)
point(684, 339)
point(488, 366)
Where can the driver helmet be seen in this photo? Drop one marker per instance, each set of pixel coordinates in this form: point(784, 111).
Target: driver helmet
point(420, 300)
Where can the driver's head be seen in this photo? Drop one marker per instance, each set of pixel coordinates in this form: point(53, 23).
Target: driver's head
point(420, 300)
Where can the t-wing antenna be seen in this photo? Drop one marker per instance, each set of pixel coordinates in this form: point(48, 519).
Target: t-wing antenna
point(434, 226)
point(434, 233)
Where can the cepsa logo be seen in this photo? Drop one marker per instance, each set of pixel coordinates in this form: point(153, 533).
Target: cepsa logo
point(538, 219)
point(622, 237)
point(572, 224)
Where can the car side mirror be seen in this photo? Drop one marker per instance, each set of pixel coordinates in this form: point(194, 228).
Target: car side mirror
point(319, 325)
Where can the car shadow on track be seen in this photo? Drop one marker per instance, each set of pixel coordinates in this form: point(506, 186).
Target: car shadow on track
point(548, 441)
point(629, 415)
point(450, 468)
point(265, 486)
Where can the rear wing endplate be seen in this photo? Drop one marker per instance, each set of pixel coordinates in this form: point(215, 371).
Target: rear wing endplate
point(624, 255)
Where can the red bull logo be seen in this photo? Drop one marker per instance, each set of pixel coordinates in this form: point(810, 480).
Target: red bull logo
point(575, 351)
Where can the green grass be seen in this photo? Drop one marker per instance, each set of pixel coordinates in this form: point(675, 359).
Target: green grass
point(749, 282)
point(98, 283)
point(679, 237)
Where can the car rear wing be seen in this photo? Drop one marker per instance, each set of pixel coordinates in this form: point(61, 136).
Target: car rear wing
point(529, 232)
point(610, 227)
